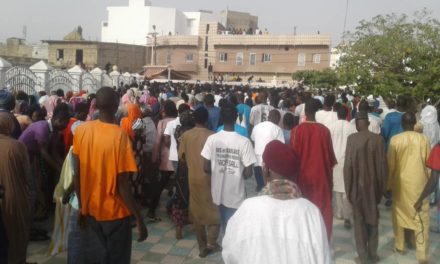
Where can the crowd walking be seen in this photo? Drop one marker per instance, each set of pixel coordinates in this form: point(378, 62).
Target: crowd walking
point(100, 163)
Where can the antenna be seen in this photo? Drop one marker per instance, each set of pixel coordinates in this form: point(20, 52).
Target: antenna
point(345, 22)
point(24, 32)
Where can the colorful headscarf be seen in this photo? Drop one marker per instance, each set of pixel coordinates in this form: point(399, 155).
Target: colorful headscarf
point(281, 189)
point(92, 109)
point(431, 127)
point(134, 113)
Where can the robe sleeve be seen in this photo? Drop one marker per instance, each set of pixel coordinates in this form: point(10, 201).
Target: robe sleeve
point(182, 149)
point(391, 160)
point(157, 143)
point(348, 170)
point(382, 173)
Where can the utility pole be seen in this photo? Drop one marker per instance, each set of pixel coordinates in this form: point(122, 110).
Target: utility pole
point(153, 45)
point(345, 23)
point(24, 32)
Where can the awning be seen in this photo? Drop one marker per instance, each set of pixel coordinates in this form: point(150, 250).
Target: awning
point(162, 73)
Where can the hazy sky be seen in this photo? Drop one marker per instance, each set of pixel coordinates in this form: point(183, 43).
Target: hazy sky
point(53, 19)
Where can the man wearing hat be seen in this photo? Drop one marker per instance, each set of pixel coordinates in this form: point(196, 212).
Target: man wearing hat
point(279, 226)
point(365, 175)
point(7, 104)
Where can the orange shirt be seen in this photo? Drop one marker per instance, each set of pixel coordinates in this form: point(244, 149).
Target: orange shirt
point(104, 151)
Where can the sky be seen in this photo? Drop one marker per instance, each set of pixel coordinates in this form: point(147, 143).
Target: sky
point(53, 19)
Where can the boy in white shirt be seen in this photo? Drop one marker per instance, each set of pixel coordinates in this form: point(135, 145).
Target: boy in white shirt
point(228, 158)
point(262, 134)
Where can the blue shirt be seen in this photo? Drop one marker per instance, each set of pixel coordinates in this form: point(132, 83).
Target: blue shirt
point(245, 111)
point(213, 118)
point(237, 128)
point(286, 134)
point(392, 125)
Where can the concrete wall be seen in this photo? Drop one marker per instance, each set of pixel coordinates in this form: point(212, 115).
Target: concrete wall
point(178, 58)
point(283, 59)
point(129, 58)
point(238, 20)
point(126, 25)
point(131, 25)
point(15, 47)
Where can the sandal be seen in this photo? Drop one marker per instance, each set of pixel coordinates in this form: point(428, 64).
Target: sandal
point(153, 219)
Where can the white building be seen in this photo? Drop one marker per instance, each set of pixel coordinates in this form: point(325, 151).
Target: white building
point(335, 57)
point(131, 24)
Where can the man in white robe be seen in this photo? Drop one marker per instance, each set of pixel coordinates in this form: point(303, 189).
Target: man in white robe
point(340, 131)
point(279, 226)
point(326, 116)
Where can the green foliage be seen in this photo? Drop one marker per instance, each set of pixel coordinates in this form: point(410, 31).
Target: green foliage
point(317, 79)
point(393, 54)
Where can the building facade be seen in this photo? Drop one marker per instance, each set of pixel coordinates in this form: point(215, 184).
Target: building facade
point(133, 23)
point(92, 54)
point(188, 42)
point(257, 56)
point(20, 53)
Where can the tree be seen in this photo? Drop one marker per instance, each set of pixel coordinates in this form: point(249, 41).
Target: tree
point(393, 54)
point(317, 79)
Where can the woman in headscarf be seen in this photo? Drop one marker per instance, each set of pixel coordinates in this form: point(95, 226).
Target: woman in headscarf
point(180, 200)
point(132, 124)
point(128, 97)
point(15, 206)
point(92, 110)
point(51, 103)
point(431, 128)
point(161, 153)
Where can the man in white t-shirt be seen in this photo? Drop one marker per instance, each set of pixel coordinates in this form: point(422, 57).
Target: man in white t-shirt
point(260, 112)
point(262, 134)
point(228, 158)
point(326, 116)
point(170, 139)
point(375, 122)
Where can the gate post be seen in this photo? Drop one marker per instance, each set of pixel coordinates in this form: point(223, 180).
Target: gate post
point(76, 72)
point(114, 75)
point(97, 74)
point(4, 66)
point(41, 70)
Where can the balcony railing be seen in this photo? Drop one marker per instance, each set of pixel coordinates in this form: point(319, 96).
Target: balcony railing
point(174, 41)
point(271, 40)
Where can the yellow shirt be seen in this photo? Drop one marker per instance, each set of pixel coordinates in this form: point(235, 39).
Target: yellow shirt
point(407, 174)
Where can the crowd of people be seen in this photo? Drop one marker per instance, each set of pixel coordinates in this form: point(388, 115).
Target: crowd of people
point(100, 162)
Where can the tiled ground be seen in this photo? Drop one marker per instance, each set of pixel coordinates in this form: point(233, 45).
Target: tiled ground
point(162, 247)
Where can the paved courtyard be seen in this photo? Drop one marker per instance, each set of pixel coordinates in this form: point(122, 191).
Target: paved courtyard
point(162, 247)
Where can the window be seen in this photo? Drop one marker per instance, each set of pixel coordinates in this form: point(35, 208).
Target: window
point(316, 58)
point(239, 58)
point(301, 59)
point(223, 57)
point(78, 57)
point(206, 63)
point(169, 58)
point(206, 43)
point(266, 58)
point(189, 22)
point(60, 54)
point(253, 59)
point(207, 28)
point(189, 57)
